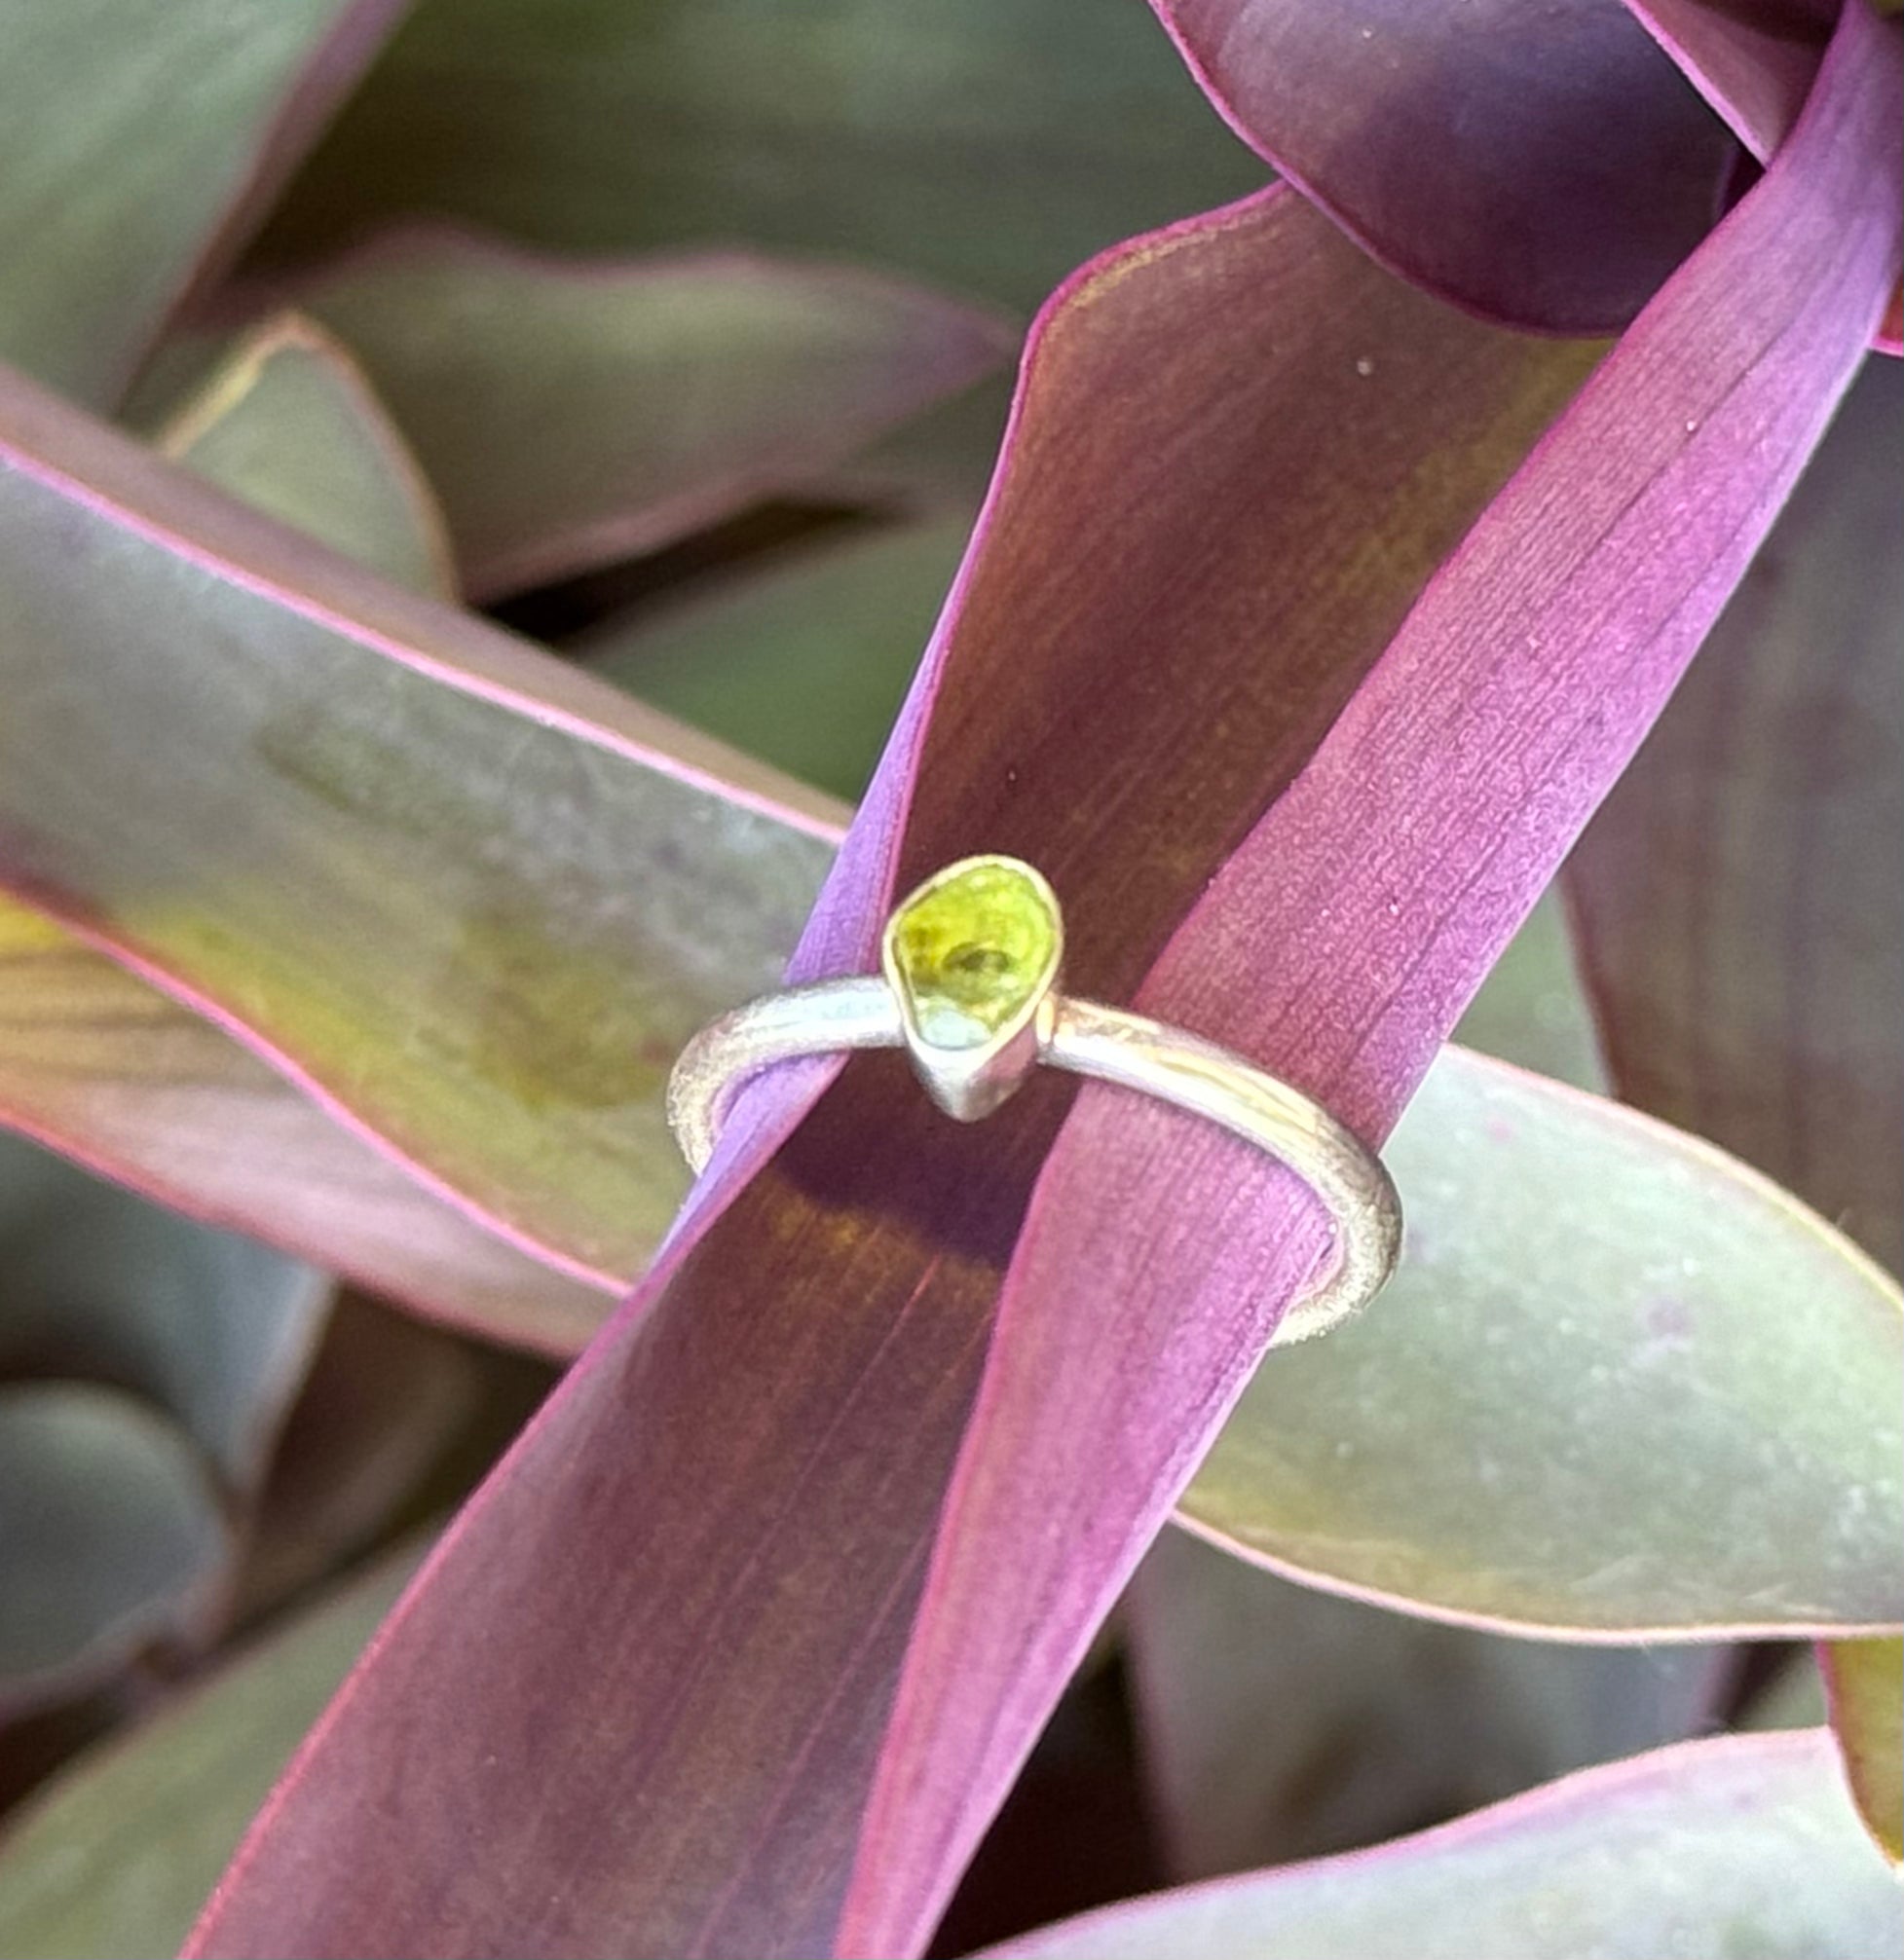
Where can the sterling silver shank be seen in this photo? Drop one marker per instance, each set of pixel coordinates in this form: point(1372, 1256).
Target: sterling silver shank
point(1107, 1045)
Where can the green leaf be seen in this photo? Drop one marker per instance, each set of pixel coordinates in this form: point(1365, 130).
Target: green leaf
point(1280, 1723)
point(1864, 1679)
point(112, 1537)
point(1531, 1010)
point(96, 1063)
point(476, 899)
point(114, 1858)
point(988, 144)
point(136, 142)
point(1620, 1386)
point(803, 665)
point(572, 412)
point(213, 1330)
point(1742, 1846)
point(289, 426)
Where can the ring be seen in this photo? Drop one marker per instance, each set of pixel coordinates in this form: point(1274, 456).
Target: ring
point(968, 987)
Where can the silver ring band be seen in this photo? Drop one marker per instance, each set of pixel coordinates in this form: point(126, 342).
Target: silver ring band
point(1107, 1045)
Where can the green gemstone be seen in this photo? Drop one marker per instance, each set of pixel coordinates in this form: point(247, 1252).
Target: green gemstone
point(972, 951)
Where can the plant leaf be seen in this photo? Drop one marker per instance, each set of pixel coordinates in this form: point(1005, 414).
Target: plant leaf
point(1865, 1680)
point(1742, 1843)
point(1620, 1386)
point(1467, 145)
point(1741, 924)
point(113, 1859)
point(1531, 1010)
point(112, 1537)
point(1342, 938)
point(988, 145)
point(473, 899)
point(105, 1069)
point(803, 665)
point(98, 1064)
point(1754, 64)
point(810, 1338)
point(1117, 702)
point(214, 1331)
point(569, 412)
point(289, 426)
point(1279, 1724)
point(138, 143)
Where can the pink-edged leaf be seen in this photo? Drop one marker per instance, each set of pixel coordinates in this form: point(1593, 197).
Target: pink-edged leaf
point(571, 411)
point(109, 1071)
point(139, 145)
point(471, 898)
point(1546, 166)
point(1116, 701)
point(1740, 919)
point(1620, 1388)
point(1280, 1723)
point(1753, 60)
point(808, 1369)
point(1864, 1681)
point(985, 145)
point(112, 1072)
point(1342, 939)
point(1741, 1844)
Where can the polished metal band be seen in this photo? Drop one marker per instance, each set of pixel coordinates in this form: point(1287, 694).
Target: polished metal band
point(1108, 1045)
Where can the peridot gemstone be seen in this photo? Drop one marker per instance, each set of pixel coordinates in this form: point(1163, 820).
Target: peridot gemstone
point(973, 949)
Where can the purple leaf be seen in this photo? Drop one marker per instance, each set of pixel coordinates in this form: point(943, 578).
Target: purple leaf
point(734, 1497)
point(1742, 922)
point(1754, 61)
point(1742, 1844)
point(1342, 939)
point(1543, 166)
point(730, 1498)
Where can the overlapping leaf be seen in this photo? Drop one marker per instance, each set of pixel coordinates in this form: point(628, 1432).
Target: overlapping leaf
point(115, 1073)
point(1744, 1842)
point(700, 1653)
point(1620, 1386)
point(1467, 145)
point(1341, 940)
point(474, 899)
point(113, 1859)
point(1280, 1723)
point(137, 144)
point(854, 1372)
point(989, 145)
point(571, 411)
